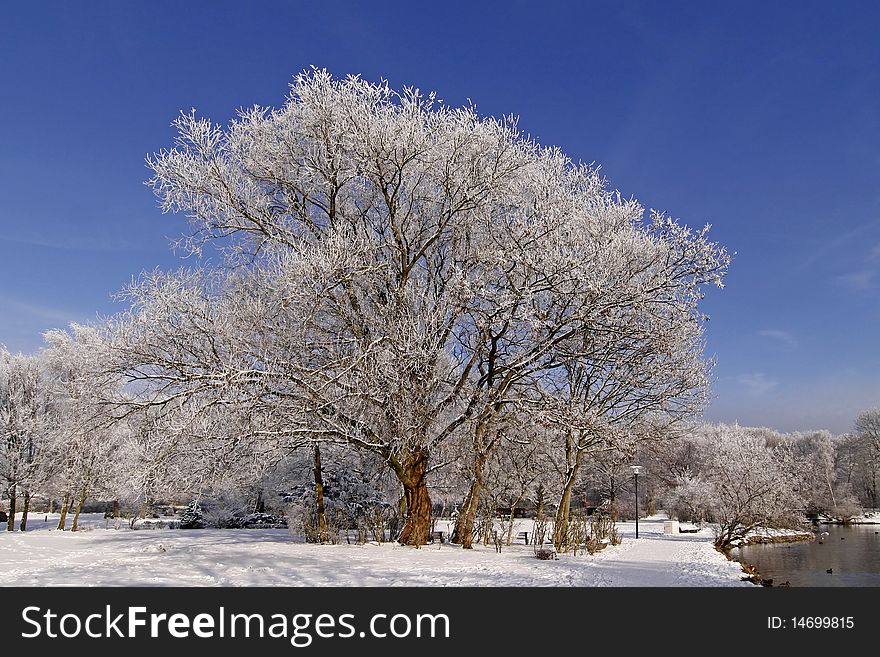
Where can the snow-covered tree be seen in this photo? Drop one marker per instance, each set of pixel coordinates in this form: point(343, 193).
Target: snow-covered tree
point(754, 482)
point(192, 517)
point(867, 439)
point(24, 426)
point(86, 434)
point(857, 468)
point(402, 271)
point(692, 498)
point(821, 486)
point(868, 426)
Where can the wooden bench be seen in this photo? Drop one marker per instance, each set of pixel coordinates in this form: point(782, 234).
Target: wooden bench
point(497, 538)
point(435, 536)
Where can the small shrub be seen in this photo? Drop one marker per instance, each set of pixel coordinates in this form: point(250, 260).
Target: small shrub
point(615, 537)
point(545, 554)
point(264, 521)
point(192, 517)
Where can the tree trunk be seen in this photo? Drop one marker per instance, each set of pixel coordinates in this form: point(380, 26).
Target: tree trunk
point(10, 522)
point(872, 490)
point(79, 506)
point(510, 524)
point(24, 510)
point(64, 504)
point(413, 476)
point(563, 511)
point(464, 524)
point(320, 515)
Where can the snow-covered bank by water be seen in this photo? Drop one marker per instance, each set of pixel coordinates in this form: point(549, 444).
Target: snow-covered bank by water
point(770, 535)
point(867, 517)
point(214, 557)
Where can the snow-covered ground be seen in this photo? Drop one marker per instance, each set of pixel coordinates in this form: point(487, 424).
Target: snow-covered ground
point(102, 556)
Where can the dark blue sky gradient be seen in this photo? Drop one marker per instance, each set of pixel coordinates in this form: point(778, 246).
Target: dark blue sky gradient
point(762, 119)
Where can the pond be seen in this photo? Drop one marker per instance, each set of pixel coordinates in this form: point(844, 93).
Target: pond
point(851, 553)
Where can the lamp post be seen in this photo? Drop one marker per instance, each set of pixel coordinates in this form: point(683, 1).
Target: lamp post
point(636, 470)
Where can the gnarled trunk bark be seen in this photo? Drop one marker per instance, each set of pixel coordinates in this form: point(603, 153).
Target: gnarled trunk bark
point(413, 475)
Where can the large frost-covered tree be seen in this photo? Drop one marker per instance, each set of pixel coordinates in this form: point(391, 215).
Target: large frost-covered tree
point(399, 272)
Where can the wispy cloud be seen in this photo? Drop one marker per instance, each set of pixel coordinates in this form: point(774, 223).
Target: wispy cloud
point(757, 383)
point(783, 337)
point(867, 275)
point(858, 280)
point(843, 241)
point(72, 243)
point(17, 308)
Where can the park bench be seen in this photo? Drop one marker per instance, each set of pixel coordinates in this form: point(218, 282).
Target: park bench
point(435, 536)
point(524, 536)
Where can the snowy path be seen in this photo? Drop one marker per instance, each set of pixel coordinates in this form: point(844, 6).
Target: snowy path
point(655, 559)
point(108, 557)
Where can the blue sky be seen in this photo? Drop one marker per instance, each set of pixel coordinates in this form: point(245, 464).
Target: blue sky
point(762, 119)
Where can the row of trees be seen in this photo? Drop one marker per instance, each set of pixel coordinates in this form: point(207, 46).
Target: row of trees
point(61, 443)
point(748, 478)
point(54, 435)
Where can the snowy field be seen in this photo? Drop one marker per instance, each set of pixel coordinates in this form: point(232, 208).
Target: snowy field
point(101, 556)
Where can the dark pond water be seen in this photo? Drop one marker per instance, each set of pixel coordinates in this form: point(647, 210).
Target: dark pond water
point(852, 553)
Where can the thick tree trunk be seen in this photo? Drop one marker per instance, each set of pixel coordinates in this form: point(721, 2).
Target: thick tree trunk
point(24, 511)
point(320, 515)
point(413, 476)
point(10, 522)
point(79, 506)
point(64, 504)
point(463, 533)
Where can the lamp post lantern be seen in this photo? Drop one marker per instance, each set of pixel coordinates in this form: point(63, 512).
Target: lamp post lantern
point(636, 470)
